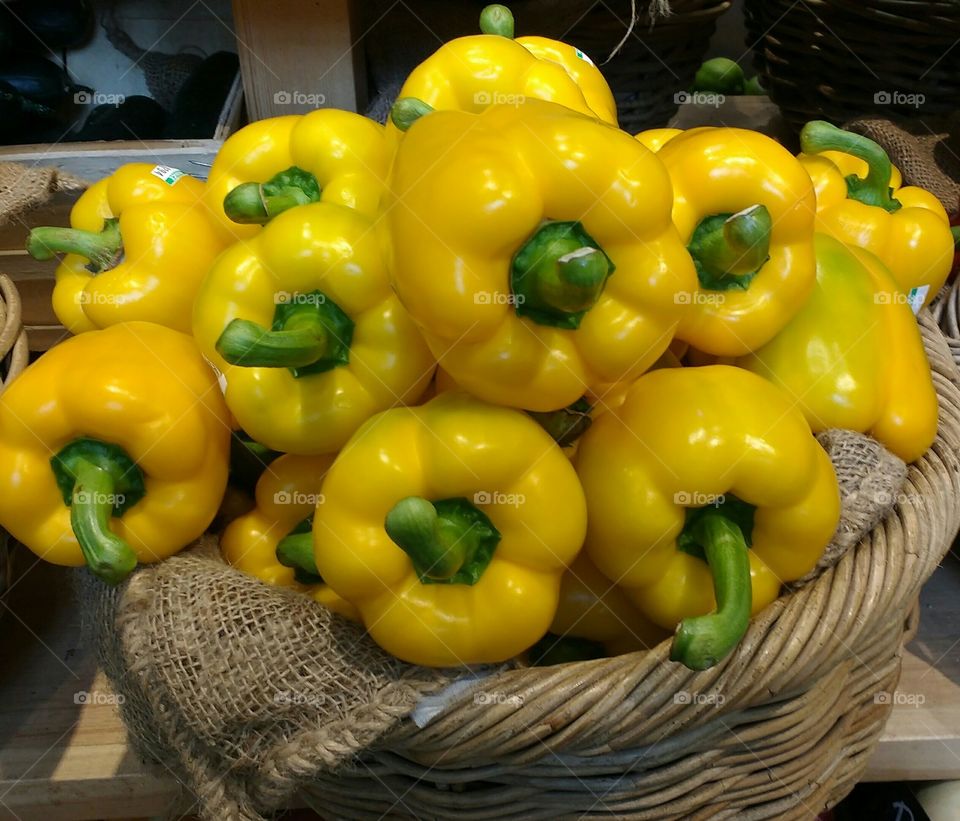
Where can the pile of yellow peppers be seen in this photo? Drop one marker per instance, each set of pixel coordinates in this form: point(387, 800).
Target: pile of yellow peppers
point(638, 337)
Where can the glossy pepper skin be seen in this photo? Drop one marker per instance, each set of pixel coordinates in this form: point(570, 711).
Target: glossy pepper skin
point(861, 201)
point(853, 357)
point(435, 601)
point(748, 292)
point(471, 204)
point(344, 154)
point(321, 343)
point(138, 246)
point(473, 72)
point(139, 436)
point(594, 608)
point(705, 462)
point(287, 493)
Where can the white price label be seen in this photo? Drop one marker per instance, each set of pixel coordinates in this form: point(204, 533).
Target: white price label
point(167, 174)
point(916, 297)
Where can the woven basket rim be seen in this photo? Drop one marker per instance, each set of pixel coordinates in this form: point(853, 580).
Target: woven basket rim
point(772, 659)
point(14, 353)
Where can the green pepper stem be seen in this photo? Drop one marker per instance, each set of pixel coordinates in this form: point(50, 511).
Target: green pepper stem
point(254, 203)
point(702, 641)
point(296, 551)
point(734, 246)
point(108, 556)
point(497, 19)
point(310, 334)
point(450, 541)
point(566, 425)
point(874, 189)
point(251, 345)
point(721, 75)
point(104, 249)
point(407, 110)
point(559, 274)
point(955, 231)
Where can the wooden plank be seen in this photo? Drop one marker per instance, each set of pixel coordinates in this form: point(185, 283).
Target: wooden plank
point(44, 337)
point(56, 211)
point(296, 56)
point(95, 160)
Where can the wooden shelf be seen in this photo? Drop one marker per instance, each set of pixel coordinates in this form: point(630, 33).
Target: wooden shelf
point(61, 760)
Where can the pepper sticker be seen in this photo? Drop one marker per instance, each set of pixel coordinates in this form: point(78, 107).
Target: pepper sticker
point(166, 173)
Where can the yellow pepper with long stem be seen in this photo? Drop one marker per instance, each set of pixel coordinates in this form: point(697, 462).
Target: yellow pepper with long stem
point(275, 164)
point(745, 207)
point(534, 247)
point(853, 357)
point(449, 527)
point(114, 449)
point(308, 336)
point(705, 491)
point(138, 246)
point(273, 542)
point(860, 202)
point(473, 72)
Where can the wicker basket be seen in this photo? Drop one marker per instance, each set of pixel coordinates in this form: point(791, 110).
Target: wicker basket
point(836, 59)
point(781, 729)
point(13, 359)
point(656, 62)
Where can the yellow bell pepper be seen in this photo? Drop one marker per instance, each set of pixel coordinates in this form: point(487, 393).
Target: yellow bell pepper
point(271, 165)
point(533, 246)
point(449, 526)
point(272, 542)
point(114, 449)
point(594, 608)
point(860, 202)
point(657, 138)
point(745, 207)
point(705, 490)
point(307, 334)
point(853, 357)
point(138, 246)
point(473, 72)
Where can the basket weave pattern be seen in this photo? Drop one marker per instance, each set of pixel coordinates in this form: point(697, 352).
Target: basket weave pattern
point(835, 59)
point(636, 736)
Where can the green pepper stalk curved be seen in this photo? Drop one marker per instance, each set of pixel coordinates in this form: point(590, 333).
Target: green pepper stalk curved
point(449, 542)
point(104, 249)
point(255, 203)
point(566, 425)
point(99, 480)
point(407, 110)
point(559, 274)
point(874, 189)
point(310, 334)
point(295, 550)
point(729, 249)
point(702, 641)
point(497, 19)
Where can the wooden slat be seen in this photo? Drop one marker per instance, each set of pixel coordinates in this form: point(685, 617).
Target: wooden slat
point(44, 337)
point(13, 234)
point(298, 56)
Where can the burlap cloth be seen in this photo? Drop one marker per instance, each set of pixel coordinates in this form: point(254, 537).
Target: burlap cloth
point(246, 692)
point(923, 151)
point(24, 187)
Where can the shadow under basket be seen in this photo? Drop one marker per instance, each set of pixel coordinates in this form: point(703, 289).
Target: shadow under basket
point(656, 62)
point(837, 59)
point(13, 359)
